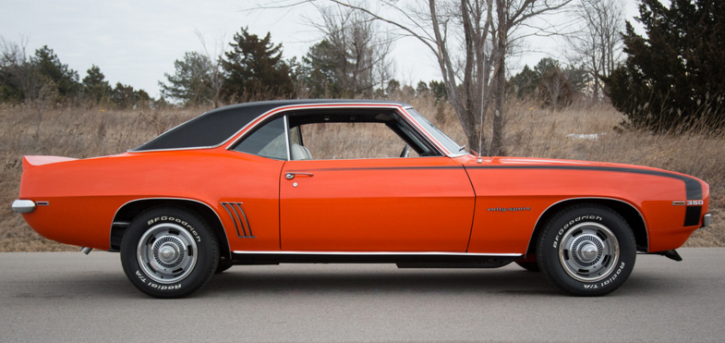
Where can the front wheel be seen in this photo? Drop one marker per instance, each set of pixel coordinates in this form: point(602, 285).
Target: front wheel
point(587, 250)
point(169, 253)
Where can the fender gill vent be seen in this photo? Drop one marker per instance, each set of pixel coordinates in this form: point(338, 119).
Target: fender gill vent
point(236, 213)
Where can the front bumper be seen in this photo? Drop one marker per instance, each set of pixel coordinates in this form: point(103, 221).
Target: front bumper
point(23, 206)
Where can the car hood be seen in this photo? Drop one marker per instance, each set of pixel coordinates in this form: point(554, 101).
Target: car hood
point(545, 163)
point(471, 160)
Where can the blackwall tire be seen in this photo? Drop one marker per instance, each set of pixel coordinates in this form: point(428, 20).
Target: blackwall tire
point(587, 250)
point(530, 266)
point(169, 252)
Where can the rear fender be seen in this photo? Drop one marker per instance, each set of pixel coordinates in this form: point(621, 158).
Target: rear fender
point(126, 213)
point(34, 161)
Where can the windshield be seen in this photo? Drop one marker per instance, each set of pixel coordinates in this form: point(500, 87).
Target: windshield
point(441, 137)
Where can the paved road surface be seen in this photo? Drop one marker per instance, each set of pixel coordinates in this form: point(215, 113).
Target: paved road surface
point(70, 297)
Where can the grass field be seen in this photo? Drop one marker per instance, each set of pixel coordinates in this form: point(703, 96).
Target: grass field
point(579, 132)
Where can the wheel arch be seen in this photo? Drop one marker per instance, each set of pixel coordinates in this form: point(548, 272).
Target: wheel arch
point(628, 211)
point(128, 211)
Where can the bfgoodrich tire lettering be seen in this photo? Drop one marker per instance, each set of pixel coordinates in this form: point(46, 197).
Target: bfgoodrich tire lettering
point(169, 252)
point(587, 250)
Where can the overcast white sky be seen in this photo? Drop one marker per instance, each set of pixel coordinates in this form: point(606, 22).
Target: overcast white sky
point(135, 42)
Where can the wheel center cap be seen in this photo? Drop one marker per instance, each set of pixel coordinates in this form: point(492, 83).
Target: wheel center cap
point(588, 252)
point(168, 253)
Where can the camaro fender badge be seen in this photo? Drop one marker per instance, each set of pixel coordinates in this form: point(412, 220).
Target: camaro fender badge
point(688, 203)
point(509, 209)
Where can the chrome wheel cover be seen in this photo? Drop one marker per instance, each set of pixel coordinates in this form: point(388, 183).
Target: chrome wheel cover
point(167, 253)
point(589, 252)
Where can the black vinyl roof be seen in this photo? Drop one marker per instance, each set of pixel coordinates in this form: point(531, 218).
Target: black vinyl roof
point(216, 126)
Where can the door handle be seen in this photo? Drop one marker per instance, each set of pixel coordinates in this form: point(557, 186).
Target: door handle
point(290, 176)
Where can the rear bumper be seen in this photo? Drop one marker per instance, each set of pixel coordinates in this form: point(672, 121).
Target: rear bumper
point(706, 220)
point(23, 206)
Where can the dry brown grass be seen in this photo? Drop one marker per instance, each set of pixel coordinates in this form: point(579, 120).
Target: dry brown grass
point(86, 132)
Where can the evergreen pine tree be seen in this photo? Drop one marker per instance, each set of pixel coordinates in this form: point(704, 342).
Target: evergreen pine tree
point(675, 75)
point(255, 66)
point(190, 82)
point(48, 65)
point(421, 89)
point(95, 86)
point(321, 70)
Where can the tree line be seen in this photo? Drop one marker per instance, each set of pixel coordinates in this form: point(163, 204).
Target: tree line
point(42, 77)
point(669, 77)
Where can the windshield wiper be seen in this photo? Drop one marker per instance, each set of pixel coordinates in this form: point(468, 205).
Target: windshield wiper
point(462, 147)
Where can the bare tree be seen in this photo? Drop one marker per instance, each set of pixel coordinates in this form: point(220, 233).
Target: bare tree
point(190, 82)
point(19, 72)
point(598, 45)
point(215, 75)
point(555, 88)
point(358, 49)
point(486, 28)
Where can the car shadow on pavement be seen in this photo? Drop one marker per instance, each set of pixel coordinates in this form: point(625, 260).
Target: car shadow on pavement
point(247, 280)
point(313, 280)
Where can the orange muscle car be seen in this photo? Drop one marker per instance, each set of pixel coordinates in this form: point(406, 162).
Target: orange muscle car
point(244, 185)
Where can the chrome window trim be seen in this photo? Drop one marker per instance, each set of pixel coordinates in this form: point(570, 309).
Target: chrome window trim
point(528, 246)
point(258, 120)
point(458, 154)
point(286, 137)
point(432, 138)
point(252, 123)
point(175, 149)
point(286, 108)
point(168, 198)
point(372, 253)
point(405, 115)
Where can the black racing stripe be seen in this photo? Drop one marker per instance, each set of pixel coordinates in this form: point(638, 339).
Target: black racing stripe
point(692, 185)
point(692, 215)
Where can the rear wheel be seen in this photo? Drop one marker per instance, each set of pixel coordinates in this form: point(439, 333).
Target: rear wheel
point(587, 250)
point(169, 252)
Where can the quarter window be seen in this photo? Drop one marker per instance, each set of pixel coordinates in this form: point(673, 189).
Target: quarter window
point(268, 141)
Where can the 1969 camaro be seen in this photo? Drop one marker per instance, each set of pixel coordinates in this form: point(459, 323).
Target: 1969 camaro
point(240, 185)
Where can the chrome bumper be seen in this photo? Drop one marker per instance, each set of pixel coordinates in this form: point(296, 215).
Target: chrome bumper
point(23, 206)
point(706, 220)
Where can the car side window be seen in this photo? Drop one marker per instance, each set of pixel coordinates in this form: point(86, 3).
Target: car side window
point(328, 141)
point(295, 135)
point(267, 141)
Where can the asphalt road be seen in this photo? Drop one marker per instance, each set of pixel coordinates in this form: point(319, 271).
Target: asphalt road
point(70, 297)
